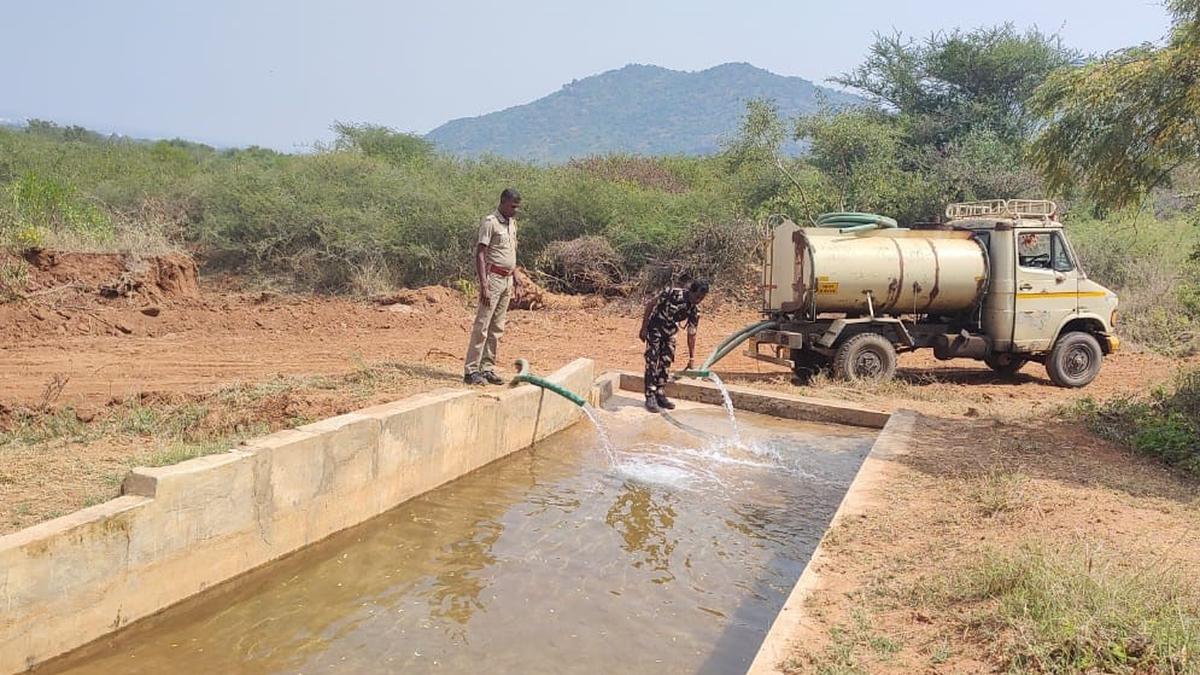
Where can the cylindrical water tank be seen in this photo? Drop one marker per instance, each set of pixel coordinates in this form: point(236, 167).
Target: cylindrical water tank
point(903, 271)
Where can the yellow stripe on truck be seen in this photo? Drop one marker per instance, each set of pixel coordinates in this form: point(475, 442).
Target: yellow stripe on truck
point(1066, 294)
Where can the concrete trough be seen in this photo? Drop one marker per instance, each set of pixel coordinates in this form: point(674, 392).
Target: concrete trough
point(181, 529)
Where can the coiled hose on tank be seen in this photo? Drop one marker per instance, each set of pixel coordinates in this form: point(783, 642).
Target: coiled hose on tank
point(849, 222)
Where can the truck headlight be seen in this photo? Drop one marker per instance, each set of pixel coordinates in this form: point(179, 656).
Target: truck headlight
point(1112, 320)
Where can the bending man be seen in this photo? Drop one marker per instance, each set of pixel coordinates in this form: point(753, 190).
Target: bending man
point(660, 322)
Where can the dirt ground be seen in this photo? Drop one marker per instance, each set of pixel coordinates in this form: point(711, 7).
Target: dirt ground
point(246, 362)
point(972, 491)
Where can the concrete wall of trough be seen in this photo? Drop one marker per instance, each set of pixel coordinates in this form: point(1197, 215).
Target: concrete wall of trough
point(791, 625)
point(178, 530)
point(769, 403)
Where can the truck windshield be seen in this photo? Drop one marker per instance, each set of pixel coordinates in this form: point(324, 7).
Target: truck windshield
point(1044, 251)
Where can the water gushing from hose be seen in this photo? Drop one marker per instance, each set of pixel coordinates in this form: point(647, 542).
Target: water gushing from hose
point(605, 440)
point(737, 435)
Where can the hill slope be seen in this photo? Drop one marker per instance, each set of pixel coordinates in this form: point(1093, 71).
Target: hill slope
point(638, 109)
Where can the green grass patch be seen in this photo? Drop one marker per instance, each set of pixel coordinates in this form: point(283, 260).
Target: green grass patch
point(1163, 424)
point(1068, 611)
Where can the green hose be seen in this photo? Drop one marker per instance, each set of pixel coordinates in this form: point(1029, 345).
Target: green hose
point(523, 375)
point(727, 345)
point(850, 222)
point(734, 340)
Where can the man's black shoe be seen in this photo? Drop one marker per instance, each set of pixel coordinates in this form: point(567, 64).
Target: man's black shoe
point(474, 378)
point(652, 404)
point(493, 377)
point(664, 402)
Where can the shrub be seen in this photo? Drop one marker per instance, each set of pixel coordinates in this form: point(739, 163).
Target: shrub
point(35, 205)
point(585, 265)
point(1154, 268)
point(646, 172)
point(1165, 424)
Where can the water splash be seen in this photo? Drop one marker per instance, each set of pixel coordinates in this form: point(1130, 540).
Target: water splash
point(737, 434)
point(602, 431)
point(720, 463)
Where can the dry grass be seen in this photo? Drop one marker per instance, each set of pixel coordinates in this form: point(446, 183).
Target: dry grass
point(372, 278)
point(848, 644)
point(152, 229)
point(583, 265)
point(999, 491)
point(1152, 314)
point(1048, 609)
point(1003, 547)
point(85, 454)
point(14, 276)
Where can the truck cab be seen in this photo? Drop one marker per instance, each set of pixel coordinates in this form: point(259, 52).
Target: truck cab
point(1037, 290)
point(998, 282)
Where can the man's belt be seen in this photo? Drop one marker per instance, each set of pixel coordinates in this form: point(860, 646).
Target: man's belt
point(499, 271)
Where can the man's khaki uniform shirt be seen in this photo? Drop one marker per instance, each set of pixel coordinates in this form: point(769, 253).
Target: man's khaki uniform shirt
point(499, 234)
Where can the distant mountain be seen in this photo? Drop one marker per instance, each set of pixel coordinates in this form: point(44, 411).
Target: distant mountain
point(638, 109)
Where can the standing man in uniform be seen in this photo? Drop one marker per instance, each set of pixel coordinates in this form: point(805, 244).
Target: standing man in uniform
point(660, 322)
point(495, 263)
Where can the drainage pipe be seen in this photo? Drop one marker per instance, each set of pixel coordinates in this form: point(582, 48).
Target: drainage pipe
point(523, 375)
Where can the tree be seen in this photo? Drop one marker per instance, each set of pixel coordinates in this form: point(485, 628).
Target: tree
point(382, 142)
point(769, 183)
point(760, 136)
point(861, 153)
point(954, 84)
point(951, 121)
point(72, 132)
point(1119, 126)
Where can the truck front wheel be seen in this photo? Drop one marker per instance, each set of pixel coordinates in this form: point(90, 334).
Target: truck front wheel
point(866, 356)
point(1075, 360)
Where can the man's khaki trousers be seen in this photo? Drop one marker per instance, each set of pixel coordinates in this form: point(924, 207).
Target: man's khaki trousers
point(489, 325)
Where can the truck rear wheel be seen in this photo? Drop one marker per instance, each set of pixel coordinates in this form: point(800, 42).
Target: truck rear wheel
point(866, 356)
point(1005, 365)
point(1075, 360)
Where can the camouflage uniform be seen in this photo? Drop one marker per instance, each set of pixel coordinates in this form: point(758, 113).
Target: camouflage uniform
point(672, 307)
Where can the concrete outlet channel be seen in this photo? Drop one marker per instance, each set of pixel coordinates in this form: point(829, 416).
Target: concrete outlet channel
point(228, 520)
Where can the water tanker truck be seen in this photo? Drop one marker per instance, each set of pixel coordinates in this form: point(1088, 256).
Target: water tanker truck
point(998, 282)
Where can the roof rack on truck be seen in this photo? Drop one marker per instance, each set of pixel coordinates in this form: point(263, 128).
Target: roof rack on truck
point(1043, 209)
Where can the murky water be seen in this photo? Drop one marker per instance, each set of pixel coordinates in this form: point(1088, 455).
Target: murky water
point(673, 556)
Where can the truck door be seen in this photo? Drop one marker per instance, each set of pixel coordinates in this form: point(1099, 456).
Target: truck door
point(1047, 288)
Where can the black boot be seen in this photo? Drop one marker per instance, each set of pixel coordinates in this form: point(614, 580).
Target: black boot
point(663, 401)
point(652, 403)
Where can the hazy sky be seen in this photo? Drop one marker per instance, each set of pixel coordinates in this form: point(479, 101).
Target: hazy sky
point(278, 73)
